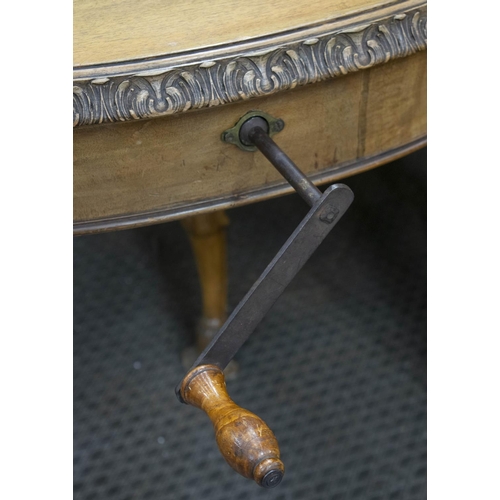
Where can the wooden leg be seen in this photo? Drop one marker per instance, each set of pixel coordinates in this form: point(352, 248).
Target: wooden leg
point(207, 233)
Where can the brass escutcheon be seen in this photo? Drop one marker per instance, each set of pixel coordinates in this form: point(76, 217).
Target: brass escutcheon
point(232, 135)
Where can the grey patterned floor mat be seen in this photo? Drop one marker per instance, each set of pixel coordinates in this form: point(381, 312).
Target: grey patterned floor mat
point(337, 368)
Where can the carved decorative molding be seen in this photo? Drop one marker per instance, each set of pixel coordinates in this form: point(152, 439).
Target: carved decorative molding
point(225, 79)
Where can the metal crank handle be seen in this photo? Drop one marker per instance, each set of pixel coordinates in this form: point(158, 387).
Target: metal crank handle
point(244, 440)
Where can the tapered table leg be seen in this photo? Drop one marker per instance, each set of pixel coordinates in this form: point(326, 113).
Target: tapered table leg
point(207, 234)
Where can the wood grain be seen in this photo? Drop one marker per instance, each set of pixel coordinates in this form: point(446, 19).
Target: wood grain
point(109, 31)
point(172, 164)
point(244, 439)
point(207, 234)
point(154, 87)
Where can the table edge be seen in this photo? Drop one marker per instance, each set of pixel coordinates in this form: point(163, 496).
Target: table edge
point(137, 90)
point(185, 210)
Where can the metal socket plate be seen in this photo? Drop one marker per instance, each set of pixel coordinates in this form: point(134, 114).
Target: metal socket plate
point(232, 135)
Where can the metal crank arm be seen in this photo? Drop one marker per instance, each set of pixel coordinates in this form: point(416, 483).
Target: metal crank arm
point(245, 441)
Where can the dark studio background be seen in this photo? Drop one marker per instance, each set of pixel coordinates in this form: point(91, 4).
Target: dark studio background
point(337, 368)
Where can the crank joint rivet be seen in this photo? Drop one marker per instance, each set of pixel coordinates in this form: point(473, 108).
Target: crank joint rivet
point(329, 214)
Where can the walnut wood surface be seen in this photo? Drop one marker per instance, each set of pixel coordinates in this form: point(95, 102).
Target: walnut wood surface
point(109, 31)
point(157, 170)
point(244, 439)
point(207, 234)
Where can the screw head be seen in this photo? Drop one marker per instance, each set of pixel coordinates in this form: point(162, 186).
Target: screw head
point(329, 214)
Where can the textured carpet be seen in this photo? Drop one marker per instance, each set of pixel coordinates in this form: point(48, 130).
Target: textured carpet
point(337, 368)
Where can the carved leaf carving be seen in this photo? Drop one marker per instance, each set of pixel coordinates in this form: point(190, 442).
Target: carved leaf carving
point(212, 83)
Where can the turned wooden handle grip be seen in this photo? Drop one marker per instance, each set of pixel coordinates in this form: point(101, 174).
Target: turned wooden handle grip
point(244, 439)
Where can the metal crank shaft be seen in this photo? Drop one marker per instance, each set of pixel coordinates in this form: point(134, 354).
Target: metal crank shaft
point(245, 441)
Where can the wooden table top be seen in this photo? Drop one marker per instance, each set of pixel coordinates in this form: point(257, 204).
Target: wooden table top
point(189, 55)
point(108, 31)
